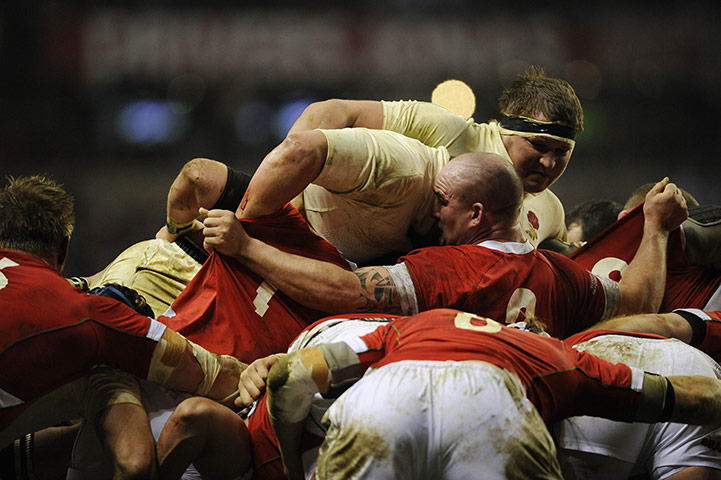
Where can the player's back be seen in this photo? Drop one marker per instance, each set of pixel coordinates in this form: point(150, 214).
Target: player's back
point(509, 281)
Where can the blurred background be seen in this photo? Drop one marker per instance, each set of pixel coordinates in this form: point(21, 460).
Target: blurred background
point(111, 98)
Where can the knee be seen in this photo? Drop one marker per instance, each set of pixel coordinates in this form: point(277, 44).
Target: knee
point(193, 414)
point(141, 465)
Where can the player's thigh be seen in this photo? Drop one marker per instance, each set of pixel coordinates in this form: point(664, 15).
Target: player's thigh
point(377, 426)
point(487, 427)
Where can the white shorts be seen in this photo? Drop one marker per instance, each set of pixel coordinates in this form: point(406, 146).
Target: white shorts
point(596, 448)
point(428, 419)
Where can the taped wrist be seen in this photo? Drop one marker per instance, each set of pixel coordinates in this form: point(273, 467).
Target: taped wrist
point(210, 363)
point(344, 366)
point(170, 350)
point(177, 228)
point(241, 366)
point(291, 387)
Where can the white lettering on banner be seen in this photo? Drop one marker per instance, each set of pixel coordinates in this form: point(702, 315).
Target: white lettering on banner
point(160, 45)
point(323, 48)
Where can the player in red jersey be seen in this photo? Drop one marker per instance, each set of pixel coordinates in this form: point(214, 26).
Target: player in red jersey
point(230, 310)
point(448, 358)
point(53, 333)
point(192, 418)
point(484, 267)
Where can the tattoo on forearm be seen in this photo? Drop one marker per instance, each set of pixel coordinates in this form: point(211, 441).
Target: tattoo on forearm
point(379, 293)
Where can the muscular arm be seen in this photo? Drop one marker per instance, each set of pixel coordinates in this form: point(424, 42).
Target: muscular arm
point(670, 325)
point(643, 283)
point(178, 364)
point(199, 184)
point(697, 400)
point(296, 162)
point(313, 283)
point(284, 173)
point(336, 113)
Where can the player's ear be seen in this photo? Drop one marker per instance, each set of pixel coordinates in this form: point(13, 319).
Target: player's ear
point(476, 212)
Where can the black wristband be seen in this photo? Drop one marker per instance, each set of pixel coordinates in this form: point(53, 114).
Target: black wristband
point(669, 403)
point(698, 327)
point(177, 229)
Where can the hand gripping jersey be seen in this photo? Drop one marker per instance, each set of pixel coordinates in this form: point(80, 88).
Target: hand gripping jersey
point(505, 281)
point(52, 333)
point(559, 380)
point(609, 253)
point(228, 309)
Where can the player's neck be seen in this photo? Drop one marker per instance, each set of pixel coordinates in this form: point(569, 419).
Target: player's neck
point(500, 233)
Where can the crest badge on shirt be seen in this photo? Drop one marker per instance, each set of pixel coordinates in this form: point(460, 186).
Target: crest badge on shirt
point(532, 226)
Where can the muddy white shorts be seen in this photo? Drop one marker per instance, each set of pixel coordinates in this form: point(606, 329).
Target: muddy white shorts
point(432, 419)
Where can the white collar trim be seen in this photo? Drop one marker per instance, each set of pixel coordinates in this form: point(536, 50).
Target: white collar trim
point(520, 248)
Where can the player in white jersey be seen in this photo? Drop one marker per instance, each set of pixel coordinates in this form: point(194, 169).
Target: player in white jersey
point(368, 193)
point(600, 449)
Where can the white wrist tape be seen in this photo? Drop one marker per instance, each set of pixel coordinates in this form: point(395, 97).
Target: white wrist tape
point(291, 388)
point(210, 363)
point(167, 355)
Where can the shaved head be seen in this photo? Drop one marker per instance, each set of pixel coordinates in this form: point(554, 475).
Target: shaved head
point(478, 196)
point(487, 178)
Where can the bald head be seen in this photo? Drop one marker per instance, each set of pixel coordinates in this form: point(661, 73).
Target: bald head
point(478, 193)
point(489, 179)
